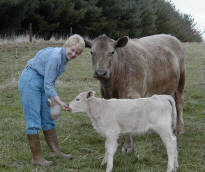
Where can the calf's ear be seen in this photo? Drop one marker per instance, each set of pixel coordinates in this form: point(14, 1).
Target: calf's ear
point(90, 94)
point(121, 42)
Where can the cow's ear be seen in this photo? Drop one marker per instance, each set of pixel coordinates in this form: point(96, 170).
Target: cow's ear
point(90, 94)
point(121, 42)
point(88, 43)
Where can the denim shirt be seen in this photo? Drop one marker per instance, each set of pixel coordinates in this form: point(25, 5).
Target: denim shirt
point(50, 63)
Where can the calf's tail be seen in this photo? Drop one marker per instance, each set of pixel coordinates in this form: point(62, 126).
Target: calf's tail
point(174, 111)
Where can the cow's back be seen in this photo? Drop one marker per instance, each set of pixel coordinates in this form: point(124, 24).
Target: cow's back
point(162, 40)
point(163, 62)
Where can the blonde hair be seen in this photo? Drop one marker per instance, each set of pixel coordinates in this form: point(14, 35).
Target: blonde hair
point(75, 40)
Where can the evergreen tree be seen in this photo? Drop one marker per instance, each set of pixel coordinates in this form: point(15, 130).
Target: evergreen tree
point(135, 18)
point(11, 15)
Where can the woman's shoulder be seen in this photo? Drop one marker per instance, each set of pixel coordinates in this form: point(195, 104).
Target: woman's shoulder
point(53, 52)
point(46, 51)
point(49, 54)
point(54, 55)
point(52, 49)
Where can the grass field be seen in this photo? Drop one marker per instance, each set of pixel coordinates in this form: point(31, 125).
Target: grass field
point(75, 132)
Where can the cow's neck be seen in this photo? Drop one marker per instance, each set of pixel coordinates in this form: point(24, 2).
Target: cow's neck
point(112, 86)
point(120, 68)
point(109, 89)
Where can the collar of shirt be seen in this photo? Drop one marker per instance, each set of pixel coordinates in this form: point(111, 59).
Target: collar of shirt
point(63, 56)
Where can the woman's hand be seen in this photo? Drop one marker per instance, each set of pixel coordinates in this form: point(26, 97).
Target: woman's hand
point(64, 106)
point(50, 102)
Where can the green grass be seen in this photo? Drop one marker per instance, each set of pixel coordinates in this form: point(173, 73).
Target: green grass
point(75, 132)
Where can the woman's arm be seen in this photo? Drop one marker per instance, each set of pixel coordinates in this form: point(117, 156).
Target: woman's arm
point(51, 74)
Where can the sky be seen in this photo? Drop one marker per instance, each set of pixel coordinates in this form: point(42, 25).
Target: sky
point(196, 8)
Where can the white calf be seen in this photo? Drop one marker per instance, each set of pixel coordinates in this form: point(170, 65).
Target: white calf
point(114, 117)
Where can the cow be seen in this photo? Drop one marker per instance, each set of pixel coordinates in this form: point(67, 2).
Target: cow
point(114, 117)
point(134, 68)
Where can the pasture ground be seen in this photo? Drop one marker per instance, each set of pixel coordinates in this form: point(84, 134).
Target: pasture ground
point(75, 132)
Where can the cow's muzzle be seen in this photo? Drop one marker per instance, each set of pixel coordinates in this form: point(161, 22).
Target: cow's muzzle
point(100, 73)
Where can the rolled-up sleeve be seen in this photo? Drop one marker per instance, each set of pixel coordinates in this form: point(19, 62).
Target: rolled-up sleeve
point(50, 77)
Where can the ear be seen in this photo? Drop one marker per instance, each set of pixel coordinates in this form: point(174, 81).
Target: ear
point(88, 43)
point(121, 42)
point(90, 94)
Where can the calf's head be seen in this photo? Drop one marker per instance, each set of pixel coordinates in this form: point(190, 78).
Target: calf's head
point(103, 52)
point(79, 104)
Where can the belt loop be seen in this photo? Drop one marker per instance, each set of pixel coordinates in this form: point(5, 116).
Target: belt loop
point(28, 66)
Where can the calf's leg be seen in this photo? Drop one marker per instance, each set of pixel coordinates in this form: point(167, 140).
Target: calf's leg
point(104, 161)
point(111, 147)
point(170, 142)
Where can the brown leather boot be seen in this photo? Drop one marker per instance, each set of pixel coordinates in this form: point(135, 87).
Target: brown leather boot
point(52, 141)
point(37, 158)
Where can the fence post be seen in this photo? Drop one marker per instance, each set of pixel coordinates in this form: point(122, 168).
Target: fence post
point(57, 36)
point(71, 30)
point(16, 51)
point(30, 32)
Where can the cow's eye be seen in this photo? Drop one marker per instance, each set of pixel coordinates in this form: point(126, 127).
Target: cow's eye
point(112, 52)
point(77, 99)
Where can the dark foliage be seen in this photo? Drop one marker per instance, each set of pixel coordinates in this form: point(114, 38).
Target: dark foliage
point(135, 18)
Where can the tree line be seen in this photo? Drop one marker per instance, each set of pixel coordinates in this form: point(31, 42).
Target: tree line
point(135, 18)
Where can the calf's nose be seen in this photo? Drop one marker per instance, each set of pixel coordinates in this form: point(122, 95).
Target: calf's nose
point(69, 109)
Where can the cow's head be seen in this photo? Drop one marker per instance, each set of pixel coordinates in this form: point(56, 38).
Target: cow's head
point(103, 52)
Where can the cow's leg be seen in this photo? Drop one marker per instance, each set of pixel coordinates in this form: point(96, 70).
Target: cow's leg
point(170, 142)
point(125, 144)
point(111, 147)
point(179, 106)
point(128, 145)
point(120, 142)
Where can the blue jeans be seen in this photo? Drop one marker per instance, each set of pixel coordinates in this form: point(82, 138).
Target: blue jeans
point(34, 102)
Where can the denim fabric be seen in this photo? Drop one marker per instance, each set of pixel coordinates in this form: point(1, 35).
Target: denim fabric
point(34, 102)
point(50, 63)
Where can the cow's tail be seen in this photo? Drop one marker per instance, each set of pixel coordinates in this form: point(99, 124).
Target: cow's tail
point(174, 111)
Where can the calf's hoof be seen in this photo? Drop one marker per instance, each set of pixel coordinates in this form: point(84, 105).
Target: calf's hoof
point(176, 165)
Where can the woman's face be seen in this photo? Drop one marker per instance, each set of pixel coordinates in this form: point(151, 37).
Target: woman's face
point(72, 52)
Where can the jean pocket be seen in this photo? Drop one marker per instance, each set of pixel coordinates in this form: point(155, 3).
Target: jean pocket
point(23, 81)
point(36, 83)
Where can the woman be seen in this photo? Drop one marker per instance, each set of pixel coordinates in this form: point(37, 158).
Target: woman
point(36, 85)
